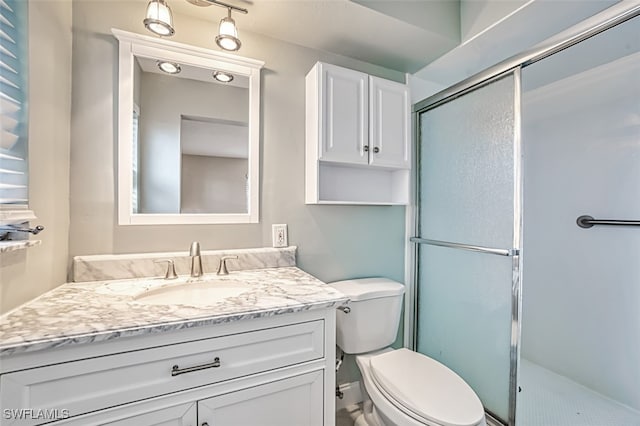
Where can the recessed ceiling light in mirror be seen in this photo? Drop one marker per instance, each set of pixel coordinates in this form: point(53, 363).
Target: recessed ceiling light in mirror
point(169, 67)
point(222, 77)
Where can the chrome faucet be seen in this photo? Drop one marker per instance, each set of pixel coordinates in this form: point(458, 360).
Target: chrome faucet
point(196, 260)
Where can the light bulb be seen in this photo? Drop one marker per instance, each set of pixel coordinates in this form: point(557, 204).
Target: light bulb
point(222, 77)
point(169, 67)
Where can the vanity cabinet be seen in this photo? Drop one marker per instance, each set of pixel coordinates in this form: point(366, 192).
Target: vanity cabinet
point(358, 138)
point(262, 372)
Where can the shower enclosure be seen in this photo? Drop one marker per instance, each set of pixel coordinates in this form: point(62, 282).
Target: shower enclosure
point(528, 244)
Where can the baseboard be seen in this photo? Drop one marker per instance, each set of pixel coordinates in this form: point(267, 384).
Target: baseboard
point(351, 395)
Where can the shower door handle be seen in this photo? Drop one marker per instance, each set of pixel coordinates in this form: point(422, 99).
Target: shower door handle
point(468, 247)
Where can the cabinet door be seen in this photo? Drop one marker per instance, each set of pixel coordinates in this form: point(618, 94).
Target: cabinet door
point(389, 123)
point(156, 414)
point(296, 401)
point(343, 115)
point(180, 415)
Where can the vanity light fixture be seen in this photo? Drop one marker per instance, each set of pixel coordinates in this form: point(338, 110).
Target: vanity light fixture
point(169, 67)
point(159, 19)
point(228, 34)
point(223, 77)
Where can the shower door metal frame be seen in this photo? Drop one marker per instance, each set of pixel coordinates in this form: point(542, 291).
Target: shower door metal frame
point(512, 65)
point(513, 252)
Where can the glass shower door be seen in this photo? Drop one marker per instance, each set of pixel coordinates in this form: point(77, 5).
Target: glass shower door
point(469, 235)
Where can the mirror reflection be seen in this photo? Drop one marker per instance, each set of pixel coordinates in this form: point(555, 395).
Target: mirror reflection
point(190, 139)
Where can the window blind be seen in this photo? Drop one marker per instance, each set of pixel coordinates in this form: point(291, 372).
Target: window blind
point(134, 159)
point(13, 103)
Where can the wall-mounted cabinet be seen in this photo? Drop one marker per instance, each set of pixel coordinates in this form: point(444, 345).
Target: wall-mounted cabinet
point(358, 138)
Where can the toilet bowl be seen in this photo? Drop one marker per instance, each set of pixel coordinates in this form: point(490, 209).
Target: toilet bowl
point(402, 387)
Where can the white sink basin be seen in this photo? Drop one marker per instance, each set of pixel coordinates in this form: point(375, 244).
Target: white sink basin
point(199, 293)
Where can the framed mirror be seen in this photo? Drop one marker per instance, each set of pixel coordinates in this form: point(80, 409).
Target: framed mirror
point(188, 134)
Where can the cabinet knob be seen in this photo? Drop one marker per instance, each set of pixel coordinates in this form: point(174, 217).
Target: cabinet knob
point(376, 150)
point(365, 148)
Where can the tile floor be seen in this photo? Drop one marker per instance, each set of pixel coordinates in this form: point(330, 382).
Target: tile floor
point(348, 415)
point(549, 399)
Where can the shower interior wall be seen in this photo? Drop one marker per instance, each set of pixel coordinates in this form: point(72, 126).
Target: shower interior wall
point(581, 142)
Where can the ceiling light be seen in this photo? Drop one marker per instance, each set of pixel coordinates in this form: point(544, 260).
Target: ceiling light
point(169, 67)
point(159, 19)
point(228, 34)
point(223, 77)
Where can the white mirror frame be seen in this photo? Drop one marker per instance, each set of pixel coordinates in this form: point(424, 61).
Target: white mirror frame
point(132, 44)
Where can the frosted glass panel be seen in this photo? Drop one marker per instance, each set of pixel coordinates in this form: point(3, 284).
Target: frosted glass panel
point(464, 315)
point(466, 168)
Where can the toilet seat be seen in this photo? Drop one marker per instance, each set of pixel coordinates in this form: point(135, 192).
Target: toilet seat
point(425, 389)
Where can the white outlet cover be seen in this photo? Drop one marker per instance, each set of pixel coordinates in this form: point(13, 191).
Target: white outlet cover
point(280, 235)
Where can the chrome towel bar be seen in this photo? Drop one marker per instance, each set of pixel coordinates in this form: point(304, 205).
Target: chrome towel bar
point(7, 230)
point(16, 228)
point(588, 221)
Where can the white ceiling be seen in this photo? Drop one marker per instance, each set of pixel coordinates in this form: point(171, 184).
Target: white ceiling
point(403, 35)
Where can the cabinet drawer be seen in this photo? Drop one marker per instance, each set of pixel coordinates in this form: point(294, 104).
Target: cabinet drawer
point(96, 383)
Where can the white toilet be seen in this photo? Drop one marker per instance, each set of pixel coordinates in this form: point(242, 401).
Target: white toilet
point(403, 387)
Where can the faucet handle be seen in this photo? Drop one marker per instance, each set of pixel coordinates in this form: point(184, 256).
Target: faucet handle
point(171, 269)
point(195, 249)
point(222, 268)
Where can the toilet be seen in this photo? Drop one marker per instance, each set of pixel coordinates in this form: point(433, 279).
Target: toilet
point(401, 387)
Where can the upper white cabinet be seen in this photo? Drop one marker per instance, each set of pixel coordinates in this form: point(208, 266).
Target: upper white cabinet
point(389, 118)
point(343, 114)
point(358, 138)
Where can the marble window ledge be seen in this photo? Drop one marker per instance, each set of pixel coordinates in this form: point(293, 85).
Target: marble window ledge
point(6, 246)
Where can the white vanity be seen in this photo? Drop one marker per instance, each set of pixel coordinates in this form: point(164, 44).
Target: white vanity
point(96, 353)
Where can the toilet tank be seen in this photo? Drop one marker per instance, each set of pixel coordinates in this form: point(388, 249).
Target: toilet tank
point(372, 322)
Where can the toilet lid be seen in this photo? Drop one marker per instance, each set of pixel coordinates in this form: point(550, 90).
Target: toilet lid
point(422, 386)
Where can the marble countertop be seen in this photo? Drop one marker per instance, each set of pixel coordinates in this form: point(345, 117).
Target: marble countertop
point(85, 312)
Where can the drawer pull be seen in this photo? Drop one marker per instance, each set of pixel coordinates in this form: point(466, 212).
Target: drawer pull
point(176, 371)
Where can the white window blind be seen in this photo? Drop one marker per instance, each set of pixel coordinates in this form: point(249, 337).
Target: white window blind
point(134, 158)
point(13, 103)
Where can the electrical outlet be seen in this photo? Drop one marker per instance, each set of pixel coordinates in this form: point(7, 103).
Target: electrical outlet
point(279, 234)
